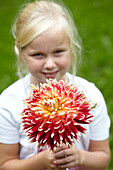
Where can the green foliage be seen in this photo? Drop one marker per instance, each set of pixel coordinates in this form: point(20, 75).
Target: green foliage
point(94, 20)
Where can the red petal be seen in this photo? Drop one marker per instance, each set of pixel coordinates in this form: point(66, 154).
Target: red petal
point(48, 135)
point(69, 130)
point(61, 136)
point(80, 128)
point(67, 140)
point(61, 129)
point(40, 136)
point(53, 131)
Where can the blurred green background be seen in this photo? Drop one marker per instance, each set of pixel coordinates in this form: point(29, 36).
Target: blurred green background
point(94, 19)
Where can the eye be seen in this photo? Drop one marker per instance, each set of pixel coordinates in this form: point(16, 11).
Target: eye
point(38, 55)
point(58, 51)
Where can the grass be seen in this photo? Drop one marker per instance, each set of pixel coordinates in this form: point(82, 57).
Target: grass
point(94, 20)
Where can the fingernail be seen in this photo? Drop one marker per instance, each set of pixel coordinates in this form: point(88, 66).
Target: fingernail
point(54, 162)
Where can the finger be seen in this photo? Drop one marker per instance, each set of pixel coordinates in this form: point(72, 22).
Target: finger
point(69, 165)
point(60, 147)
point(63, 153)
point(68, 162)
point(64, 160)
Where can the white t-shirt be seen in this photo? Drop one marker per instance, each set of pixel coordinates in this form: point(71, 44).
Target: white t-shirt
point(11, 106)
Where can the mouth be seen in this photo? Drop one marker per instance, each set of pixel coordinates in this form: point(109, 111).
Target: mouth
point(50, 74)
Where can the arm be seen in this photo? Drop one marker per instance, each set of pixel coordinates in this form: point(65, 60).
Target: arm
point(97, 157)
point(9, 159)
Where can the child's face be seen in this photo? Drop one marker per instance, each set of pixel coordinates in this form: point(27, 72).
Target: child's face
point(48, 56)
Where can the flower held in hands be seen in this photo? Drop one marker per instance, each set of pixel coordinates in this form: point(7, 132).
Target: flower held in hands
point(55, 113)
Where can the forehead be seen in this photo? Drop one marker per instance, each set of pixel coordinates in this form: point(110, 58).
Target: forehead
point(51, 37)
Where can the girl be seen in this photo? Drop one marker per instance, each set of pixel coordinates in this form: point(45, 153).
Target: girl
point(47, 44)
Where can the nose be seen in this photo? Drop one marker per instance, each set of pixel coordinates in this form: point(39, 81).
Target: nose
point(49, 62)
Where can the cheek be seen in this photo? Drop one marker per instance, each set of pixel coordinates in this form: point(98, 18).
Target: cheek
point(34, 66)
point(65, 63)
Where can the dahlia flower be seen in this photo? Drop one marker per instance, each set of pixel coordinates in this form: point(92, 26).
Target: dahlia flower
point(54, 113)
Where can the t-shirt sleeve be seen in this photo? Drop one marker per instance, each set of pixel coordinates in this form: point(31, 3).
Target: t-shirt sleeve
point(99, 128)
point(9, 133)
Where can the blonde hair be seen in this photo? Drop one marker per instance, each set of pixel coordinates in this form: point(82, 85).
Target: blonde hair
point(36, 18)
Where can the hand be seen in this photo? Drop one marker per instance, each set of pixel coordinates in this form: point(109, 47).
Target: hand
point(49, 159)
point(66, 157)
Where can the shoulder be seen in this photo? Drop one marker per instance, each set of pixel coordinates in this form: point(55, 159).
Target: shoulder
point(16, 89)
point(87, 87)
point(11, 100)
point(13, 96)
point(92, 93)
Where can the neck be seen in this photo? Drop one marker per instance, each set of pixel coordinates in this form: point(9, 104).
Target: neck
point(35, 82)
